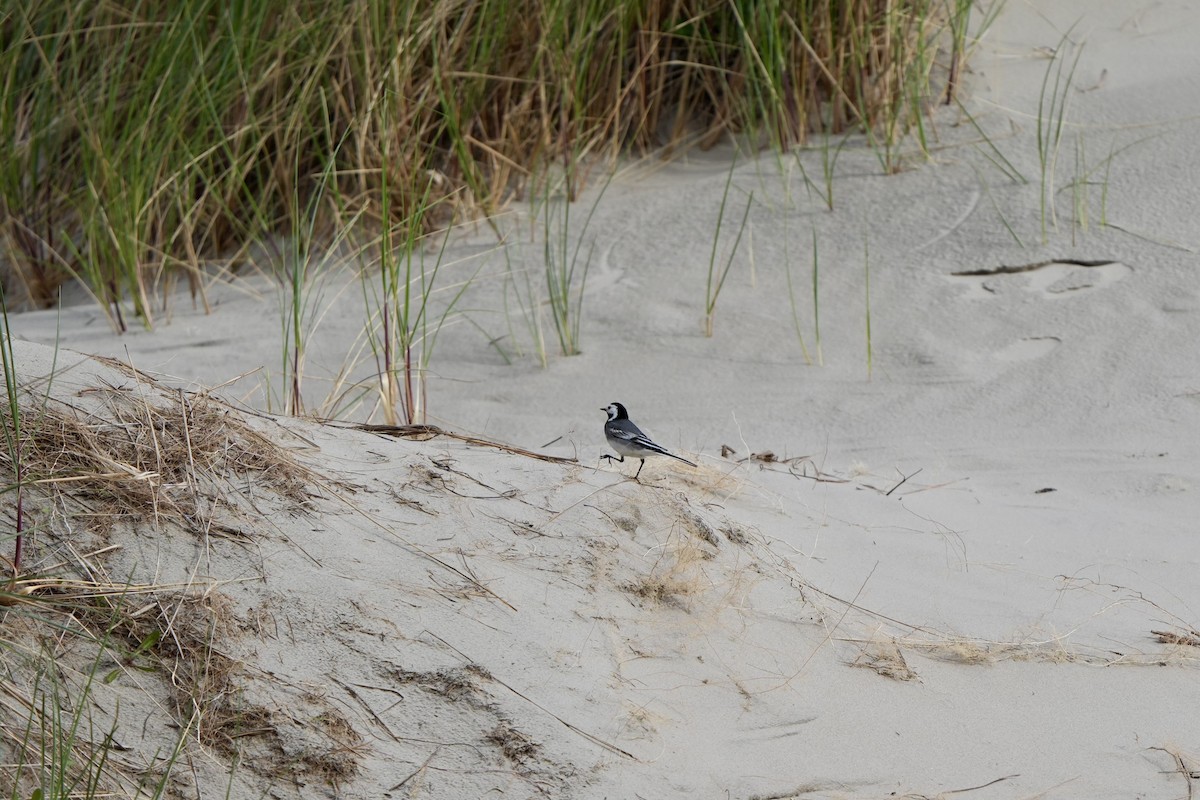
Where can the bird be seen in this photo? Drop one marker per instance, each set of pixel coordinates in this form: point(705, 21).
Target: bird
point(628, 440)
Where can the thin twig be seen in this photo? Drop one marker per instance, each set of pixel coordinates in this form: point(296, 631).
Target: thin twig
point(901, 483)
point(1189, 775)
point(432, 431)
point(418, 770)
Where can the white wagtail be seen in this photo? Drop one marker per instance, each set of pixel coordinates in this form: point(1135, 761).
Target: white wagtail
point(628, 440)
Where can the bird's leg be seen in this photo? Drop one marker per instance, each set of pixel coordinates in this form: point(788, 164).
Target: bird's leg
point(611, 457)
point(639, 472)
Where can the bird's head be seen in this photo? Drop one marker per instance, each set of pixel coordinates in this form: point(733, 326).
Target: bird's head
point(615, 411)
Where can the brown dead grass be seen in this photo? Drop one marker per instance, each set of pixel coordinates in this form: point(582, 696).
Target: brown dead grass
point(146, 454)
point(340, 760)
point(515, 745)
point(1191, 638)
point(677, 571)
point(59, 646)
point(885, 658)
point(663, 590)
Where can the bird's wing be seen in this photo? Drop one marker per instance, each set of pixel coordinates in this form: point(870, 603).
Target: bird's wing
point(625, 435)
point(642, 440)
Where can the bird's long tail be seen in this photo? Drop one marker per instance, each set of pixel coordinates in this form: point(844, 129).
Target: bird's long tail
point(680, 458)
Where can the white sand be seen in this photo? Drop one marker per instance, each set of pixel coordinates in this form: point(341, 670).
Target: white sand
point(1012, 627)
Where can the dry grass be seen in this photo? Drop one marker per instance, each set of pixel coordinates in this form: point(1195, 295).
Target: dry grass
point(61, 644)
point(666, 590)
point(516, 746)
point(340, 761)
point(677, 570)
point(1191, 638)
point(453, 683)
point(885, 658)
point(138, 455)
point(886, 655)
point(146, 454)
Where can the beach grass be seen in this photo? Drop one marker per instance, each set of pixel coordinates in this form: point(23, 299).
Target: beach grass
point(717, 273)
point(13, 441)
point(787, 264)
point(522, 289)
point(403, 326)
point(566, 272)
point(816, 294)
point(149, 143)
point(59, 744)
point(1053, 107)
point(867, 304)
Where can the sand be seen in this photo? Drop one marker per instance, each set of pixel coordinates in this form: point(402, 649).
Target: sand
point(945, 578)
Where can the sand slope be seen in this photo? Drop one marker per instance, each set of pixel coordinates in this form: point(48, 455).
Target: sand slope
point(444, 619)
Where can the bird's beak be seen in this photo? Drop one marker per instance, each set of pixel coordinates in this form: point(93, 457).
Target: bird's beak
point(604, 409)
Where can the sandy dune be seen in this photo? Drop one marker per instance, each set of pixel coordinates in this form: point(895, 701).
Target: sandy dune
point(946, 577)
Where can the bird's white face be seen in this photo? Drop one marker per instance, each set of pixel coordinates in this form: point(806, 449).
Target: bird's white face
point(612, 412)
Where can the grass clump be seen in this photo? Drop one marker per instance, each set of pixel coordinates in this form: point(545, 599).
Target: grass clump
point(78, 647)
point(563, 266)
point(176, 459)
point(144, 143)
point(404, 328)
